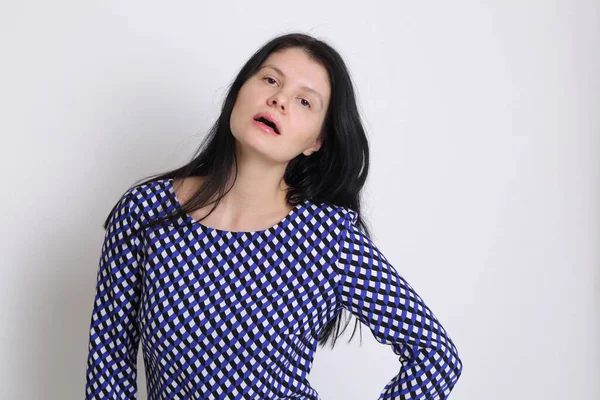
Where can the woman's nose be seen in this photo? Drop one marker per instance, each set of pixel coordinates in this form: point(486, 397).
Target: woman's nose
point(278, 100)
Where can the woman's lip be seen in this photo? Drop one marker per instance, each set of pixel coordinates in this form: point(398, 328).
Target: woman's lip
point(269, 116)
point(264, 127)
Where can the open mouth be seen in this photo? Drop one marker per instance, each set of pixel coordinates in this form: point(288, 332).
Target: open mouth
point(268, 123)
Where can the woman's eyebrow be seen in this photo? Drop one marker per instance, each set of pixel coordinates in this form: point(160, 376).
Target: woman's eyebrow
point(308, 89)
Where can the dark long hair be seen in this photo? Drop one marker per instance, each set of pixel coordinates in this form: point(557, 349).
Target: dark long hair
point(334, 174)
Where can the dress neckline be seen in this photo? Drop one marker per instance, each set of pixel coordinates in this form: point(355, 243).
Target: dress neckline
point(193, 222)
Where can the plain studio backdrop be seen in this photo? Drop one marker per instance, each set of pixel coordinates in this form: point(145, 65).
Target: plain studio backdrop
point(484, 190)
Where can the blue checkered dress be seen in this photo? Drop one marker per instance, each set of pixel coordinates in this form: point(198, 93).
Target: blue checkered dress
point(236, 315)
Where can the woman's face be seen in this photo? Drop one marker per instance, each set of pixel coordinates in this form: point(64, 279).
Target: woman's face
point(294, 90)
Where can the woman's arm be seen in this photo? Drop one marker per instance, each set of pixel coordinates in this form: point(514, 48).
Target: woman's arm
point(114, 336)
point(372, 289)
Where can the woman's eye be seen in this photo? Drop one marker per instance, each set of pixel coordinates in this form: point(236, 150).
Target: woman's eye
point(307, 103)
point(270, 79)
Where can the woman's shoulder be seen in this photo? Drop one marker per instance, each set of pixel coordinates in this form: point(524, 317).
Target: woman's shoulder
point(150, 197)
point(148, 189)
point(158, 195)
point(339, 214)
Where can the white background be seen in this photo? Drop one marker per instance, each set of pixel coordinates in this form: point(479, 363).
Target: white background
point(484, 191)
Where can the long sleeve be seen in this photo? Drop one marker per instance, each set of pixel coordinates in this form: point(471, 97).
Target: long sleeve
point(114, 334)
point(379, 297)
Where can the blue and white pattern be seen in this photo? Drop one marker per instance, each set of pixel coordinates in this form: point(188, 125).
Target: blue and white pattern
point(236, 315)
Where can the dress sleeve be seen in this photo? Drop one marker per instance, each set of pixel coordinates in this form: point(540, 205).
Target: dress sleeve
point(114, 334)
point(371, 289)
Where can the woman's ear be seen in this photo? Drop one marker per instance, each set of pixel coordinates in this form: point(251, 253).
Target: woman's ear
point(315, 146)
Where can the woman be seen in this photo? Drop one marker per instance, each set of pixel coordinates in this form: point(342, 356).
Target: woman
point(233, 268)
